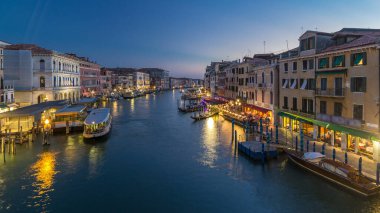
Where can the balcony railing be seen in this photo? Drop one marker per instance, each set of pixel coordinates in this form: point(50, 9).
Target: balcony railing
point(336, 92)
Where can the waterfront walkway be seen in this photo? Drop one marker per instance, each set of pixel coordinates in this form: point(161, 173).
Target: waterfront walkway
point(368, 165)
point(286, 139)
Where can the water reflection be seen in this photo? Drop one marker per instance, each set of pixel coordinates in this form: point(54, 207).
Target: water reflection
point(132, 105)
point(210, 142)
point(44, 171)
point(95, 159)
point(115, 109)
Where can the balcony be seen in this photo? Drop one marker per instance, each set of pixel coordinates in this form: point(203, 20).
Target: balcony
point(336, 92)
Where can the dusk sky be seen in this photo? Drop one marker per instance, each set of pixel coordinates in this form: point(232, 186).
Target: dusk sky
point(179, 36)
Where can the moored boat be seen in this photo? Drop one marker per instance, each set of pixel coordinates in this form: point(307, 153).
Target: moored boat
point(98, 123)
point(204, 115)
point(334, 171)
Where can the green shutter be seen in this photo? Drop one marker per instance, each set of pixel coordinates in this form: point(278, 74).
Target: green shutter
point(358, 58)
point(338, 61)
point(364, 58)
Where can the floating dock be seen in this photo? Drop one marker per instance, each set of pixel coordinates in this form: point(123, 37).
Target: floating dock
point(257, 150)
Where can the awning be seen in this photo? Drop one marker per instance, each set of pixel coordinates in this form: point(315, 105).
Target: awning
point(261, 109)
point(304, 119)
point(354, 132)
point(335, 127)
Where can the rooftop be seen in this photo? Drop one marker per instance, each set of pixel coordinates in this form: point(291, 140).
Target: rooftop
point(33, 109)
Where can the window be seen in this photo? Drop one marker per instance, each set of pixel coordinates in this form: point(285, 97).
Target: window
point(310, 106)
point(308, 43)
point(285, 102)
point(322, 107)
point(358, 84)
point(311, 43)
point(310, 84)
point(358, 112)
point(358, 59)
point(262, 78)
point(42, 82)
point(294, 66)
point(340, 40)
point(323, 63)
point(1, 63)
point(294, 104)
point(42, 65)
point(338, 107)
point(338, 61)
point(323, 84)
point(304, 105)
point(304, 65)
point(293, 84)
point(303, 83)
point(271, 77)
point(262, 96)
point(311, 64)
point(271, 97)
point(286, 67)
point(285, 83)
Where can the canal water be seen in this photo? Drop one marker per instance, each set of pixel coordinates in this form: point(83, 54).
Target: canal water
point(158, 160)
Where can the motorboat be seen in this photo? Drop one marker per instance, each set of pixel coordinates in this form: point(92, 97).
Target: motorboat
point(334, 171)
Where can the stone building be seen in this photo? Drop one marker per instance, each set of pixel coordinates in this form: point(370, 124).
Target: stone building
point(40, 74)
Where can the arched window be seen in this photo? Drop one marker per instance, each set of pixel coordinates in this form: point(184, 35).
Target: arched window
point(42, 65)
point(262, 96)
point(271, 97)
point(262, 78)
point(54, 68)
point(55, 81)
point(2, 83)
point(42, 82)
point(59, 66)
point(271, 77)
point(60, 81)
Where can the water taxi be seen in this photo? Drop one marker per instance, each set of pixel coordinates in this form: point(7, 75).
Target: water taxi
point(97, 123)
point(334, 171)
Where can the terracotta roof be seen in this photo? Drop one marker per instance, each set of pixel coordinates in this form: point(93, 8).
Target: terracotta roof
point(34, 48)
point(366, 39)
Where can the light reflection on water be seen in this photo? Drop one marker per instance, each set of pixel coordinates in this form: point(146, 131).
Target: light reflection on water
point(44, 171)
point(95, 159)
point(210, 142)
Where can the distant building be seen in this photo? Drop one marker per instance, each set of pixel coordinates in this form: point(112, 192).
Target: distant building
point(89, 76)
point(40, 74)
point(141, 80)
point(105, 81)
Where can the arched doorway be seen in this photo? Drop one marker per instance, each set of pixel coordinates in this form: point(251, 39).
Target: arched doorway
point(41, 98)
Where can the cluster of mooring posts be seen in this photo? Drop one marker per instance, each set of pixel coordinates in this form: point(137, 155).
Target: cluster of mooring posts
point(10, 139)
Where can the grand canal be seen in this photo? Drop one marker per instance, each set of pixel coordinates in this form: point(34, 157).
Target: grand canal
point(158, 160)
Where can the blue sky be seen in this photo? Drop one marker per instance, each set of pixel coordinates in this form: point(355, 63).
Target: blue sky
point(180, 36)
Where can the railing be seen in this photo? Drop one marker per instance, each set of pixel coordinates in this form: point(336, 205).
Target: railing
point(337, 92)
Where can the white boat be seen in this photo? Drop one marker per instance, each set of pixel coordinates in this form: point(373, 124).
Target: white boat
point(98, 123)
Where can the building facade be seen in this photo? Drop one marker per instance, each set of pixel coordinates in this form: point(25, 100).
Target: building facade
point(325, 92)
point(39, 74)
point(6, 87)
point(89, 77)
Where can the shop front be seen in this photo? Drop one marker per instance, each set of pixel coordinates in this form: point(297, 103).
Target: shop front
point(257, 112)
point(346, 138)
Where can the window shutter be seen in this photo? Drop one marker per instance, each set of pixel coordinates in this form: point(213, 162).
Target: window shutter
point(365, 58)
point(352, 60)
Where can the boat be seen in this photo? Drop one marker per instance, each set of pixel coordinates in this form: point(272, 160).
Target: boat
point(129, 95)
point(334, 171)
point(98, 123)
point(203, 115)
